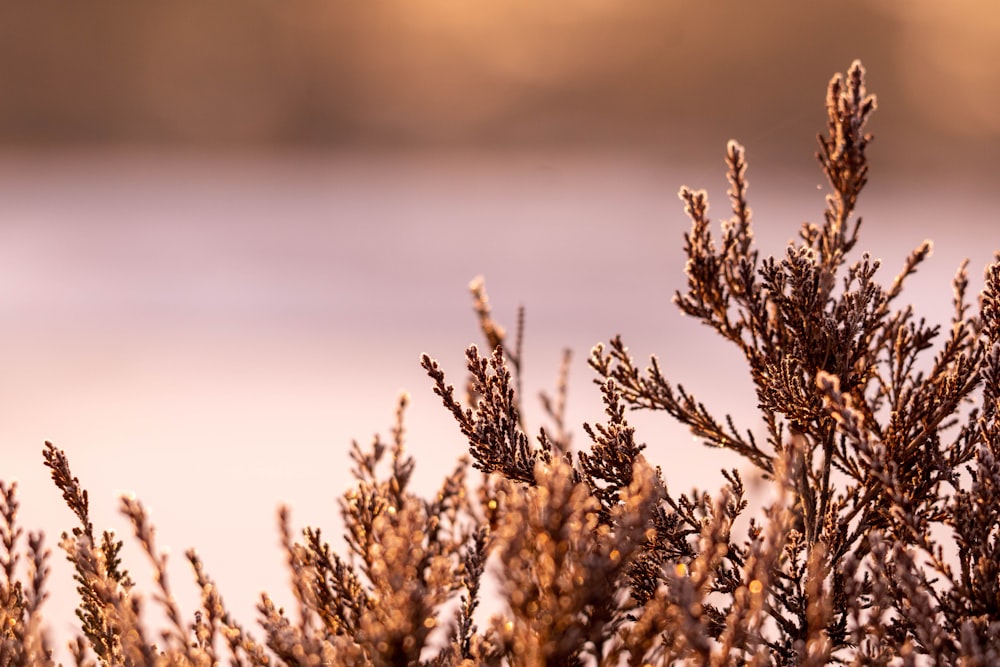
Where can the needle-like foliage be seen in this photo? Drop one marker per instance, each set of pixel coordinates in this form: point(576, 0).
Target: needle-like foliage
point(878, 545)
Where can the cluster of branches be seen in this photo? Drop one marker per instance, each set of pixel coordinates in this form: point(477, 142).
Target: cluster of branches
point(880, 434)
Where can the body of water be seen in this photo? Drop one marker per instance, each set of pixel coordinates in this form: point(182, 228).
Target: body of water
point(211, 333)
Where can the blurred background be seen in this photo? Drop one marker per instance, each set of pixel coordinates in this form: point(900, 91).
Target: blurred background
point(229, 229)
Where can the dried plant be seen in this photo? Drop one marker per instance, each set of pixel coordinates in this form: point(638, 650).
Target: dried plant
point(22, 640)
point(880, 434)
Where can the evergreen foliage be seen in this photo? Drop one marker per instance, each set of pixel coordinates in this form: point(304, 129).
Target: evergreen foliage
point(881, 436)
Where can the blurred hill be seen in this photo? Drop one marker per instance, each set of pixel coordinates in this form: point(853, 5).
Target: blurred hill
point(671, 77)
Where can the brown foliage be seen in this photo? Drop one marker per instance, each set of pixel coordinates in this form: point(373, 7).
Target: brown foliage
point(882, 438)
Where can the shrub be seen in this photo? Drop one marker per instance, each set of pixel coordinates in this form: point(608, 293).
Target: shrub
point(881, 436)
